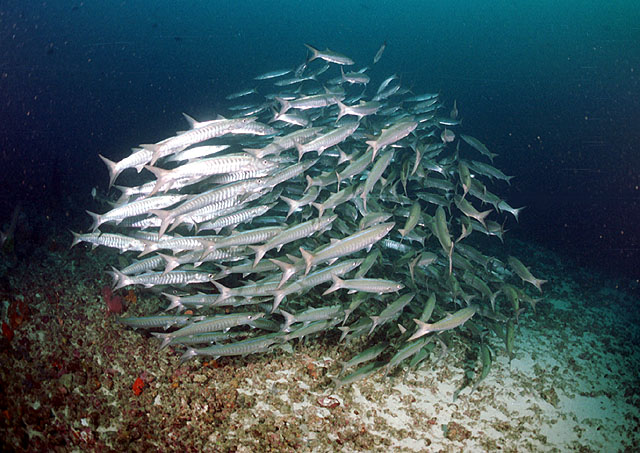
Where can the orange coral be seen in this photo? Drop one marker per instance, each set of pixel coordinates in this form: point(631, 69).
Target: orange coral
point(7, 331)
point(311, 370)
point(17, 313)
point(138, 385)
point(131, 297)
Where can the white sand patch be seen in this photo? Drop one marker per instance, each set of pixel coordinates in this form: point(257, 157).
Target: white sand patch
point(569, 386)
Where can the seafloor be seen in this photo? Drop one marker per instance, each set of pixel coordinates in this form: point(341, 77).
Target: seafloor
point(68, 374)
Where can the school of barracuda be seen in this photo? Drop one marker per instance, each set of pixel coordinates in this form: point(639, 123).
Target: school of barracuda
point(319, 205)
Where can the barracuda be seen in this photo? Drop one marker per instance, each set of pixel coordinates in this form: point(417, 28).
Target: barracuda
point(322, 142)
point(244, 347)
point(209, 324)
point(328, 55)
point(291, 234)
point(311, 315)
point(308, 198)
point(479, 146)
point(200, 132)
point(158, 321)
point(180, 278)
point(367, 285)
point(312, 280)
point(118, 241)
point(353, 243)
point(137, 160)
point(391, 135)
point(217, 194)
point(309, 102)
point(375, 174)
point(290, 174)
point(242, 238)
point(391, 311)
point(207, 167)
point(450, 322)
point(524, 273)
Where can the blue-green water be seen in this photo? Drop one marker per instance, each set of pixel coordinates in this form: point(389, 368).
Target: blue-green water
point(553, 87)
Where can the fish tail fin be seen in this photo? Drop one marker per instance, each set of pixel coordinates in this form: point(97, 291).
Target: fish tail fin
point(174, 302)
point(347, 313)
point(188, 355)
point(180, 220)
point(171, 263)
point(337, 383)
point(287, 270)
point(77, 238)
point(341, 106)
point(310, 183)
point(260, 250)
point(225, 292)
point(162, 179)
point(165, 219)
point(345, 331)
point(538, 282)
point(483, 215)
point(373, 145)
point(288, 320)
point(308, 260)
point(124, 196)
point(112, 167)
point(516, 212)
point(208, 247)
point(337, 284)
point(375, 320)
point(319, 207)
point(155, 149)
point(97, 220)
point(165, 337)
point(278, 297)
point(344, 157)
point(423, 329)
point(300, 150)
point(292, 205)
point(193, 124)
point(284, 105)
point(149, 246)
point(314, 52)
point(120, 280)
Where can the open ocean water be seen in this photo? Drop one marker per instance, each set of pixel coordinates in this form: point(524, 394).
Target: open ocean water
point(552, 87)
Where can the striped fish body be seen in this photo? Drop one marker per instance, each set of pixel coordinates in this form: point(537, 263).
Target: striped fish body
point(203, 131)
point(350, 244)
point(450, 322)
point(244, 347)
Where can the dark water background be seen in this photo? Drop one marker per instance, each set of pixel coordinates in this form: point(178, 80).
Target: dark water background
point(552, 86)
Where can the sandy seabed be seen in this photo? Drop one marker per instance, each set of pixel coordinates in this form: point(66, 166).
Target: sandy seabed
point(69, 370)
